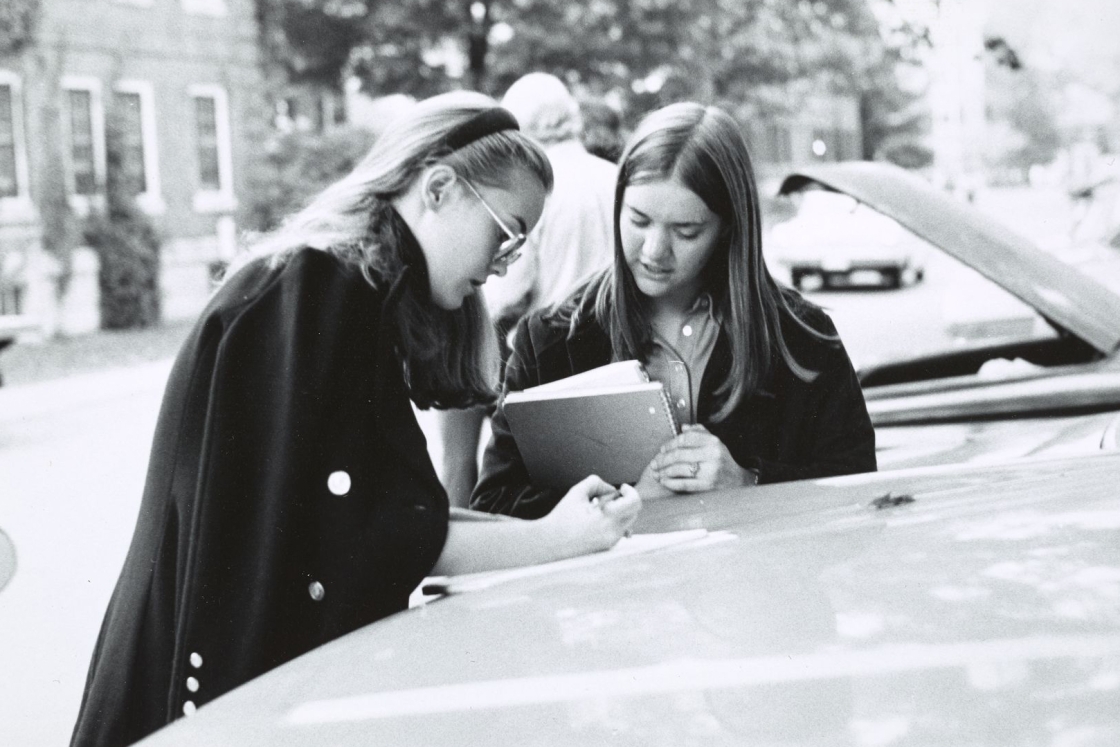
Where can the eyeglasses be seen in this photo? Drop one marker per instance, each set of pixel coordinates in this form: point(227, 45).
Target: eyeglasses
point(510, 249)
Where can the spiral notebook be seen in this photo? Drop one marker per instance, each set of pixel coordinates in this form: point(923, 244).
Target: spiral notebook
point(609, 421)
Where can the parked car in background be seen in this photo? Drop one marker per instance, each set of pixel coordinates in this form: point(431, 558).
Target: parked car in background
point(834, 241)
point(1019, 394)
point(974, 605)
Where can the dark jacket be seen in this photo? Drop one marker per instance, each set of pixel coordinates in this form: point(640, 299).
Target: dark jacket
point(244, 556)
point(788, 430)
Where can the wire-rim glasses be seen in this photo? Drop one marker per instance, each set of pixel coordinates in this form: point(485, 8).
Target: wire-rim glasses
point(510, 249)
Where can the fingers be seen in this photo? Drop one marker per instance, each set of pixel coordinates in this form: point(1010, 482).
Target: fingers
point(590, 487)
point(627, 504)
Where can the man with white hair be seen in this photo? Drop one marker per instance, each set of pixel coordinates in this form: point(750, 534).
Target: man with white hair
point(574, 238)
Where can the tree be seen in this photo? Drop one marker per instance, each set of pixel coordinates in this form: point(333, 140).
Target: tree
point(641, 52)
point(18, 22)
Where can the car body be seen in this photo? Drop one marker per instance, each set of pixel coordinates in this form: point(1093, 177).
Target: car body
point(834, 241)
point(1004, 398)
point(964, 605)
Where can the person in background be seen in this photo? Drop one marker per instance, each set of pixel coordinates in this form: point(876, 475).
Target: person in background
point(759, 377)
point(290, 498)
point(572, 240)
point(602, 129)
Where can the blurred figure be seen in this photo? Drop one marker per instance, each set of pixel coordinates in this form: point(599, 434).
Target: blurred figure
point(573, 239)
point(602, 129)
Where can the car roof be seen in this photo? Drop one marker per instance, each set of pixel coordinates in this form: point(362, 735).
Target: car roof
point(1059, 292)
point(949, 604)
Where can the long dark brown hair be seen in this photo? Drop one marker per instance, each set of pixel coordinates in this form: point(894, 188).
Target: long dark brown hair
point(450, 358)
point(702, 148)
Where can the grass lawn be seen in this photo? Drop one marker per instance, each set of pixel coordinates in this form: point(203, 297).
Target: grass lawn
point(26, 363)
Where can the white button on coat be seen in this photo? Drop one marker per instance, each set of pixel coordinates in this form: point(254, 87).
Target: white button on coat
point(196, 660)
point(339, 482)
point(687, 330)
point(192, 684)
point(316, 590)
point(189, 708)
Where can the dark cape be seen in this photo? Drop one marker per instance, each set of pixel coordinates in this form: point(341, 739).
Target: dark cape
point(789, 429)
point(289, 498)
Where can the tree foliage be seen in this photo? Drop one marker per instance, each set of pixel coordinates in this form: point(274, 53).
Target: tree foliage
point(18, 22)
point(641, 52)
point(299, 165)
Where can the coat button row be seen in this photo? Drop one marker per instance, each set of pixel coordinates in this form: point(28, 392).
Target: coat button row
point(196, 660)
point(316, 590)
point(192, 684)
point(189, 708)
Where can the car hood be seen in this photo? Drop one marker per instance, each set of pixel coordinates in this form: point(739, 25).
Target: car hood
point(970, 605)
point(1056, 290)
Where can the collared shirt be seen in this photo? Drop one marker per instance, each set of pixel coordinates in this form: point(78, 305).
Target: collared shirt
point(680, 356)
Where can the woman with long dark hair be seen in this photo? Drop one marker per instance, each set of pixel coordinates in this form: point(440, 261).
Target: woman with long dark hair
point(290, 498)
point(758, 374)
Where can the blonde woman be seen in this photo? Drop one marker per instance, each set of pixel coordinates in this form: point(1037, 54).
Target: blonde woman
point(290, 498)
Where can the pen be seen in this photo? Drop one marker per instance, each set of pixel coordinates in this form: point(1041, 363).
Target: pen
point(599, 500)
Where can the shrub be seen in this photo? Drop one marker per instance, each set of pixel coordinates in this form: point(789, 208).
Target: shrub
point(127, 245)
point(299, 165)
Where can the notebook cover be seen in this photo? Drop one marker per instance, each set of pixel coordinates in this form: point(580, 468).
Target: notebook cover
point(611, 432)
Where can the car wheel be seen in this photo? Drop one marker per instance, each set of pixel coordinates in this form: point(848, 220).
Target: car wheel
point(892, 278)
point(795, 279)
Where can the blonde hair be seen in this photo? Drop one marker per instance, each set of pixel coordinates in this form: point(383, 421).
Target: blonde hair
point(450, 357)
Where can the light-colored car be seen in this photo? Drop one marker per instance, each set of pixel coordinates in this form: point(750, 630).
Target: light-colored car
point(834, 241)
point(975, 605)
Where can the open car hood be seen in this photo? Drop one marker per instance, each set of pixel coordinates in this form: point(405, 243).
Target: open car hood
point(1056, 290)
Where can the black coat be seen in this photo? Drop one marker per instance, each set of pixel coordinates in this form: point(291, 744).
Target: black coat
point(243, 556)
point(788, 430)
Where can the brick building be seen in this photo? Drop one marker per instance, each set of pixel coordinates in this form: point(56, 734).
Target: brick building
point(182, 80)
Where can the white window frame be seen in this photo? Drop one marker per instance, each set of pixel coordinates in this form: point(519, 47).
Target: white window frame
point(82, 204)
point(17, 209)
point(214, 8)
point(221, 200)
point(151, 200)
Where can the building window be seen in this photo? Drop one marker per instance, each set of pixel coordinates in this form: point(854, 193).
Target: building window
point(82, 165)
point(206, 120)
point(128, 111)
point(9, 183)
point(134, 126)
point(213, 158)
point(15, 198)
point(83, 130)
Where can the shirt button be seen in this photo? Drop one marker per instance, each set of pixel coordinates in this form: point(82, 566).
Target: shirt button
point(316, 590)
point(192, 684)
point(687, 330)
point(339, 482)
point(189, 708)
point(681, 404)
point(196, 660)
